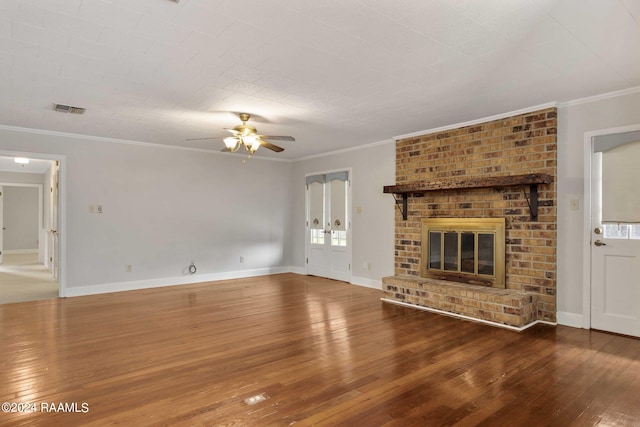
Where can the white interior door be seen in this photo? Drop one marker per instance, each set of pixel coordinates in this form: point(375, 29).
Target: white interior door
point(328, 234)
point(53, 231)
point(615, 240)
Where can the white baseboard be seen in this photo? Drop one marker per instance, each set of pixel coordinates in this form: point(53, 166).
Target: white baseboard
point(367, 283)
point(473, 319)
point(199, 278)
point(569, 319)
point(20, 251)
point(169, 281)
point(298, 270)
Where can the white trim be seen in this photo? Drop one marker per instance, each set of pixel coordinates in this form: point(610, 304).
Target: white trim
point(600, 97)
point(586, 244)
point(171, 281)
point(20, 251)
point(367, 283)
point(326, 172)
point(130, 142)
point(346, 150)
point(586, 233)
point(298, 270)
point(573, 320)
point(473, 319)
point(478, 121)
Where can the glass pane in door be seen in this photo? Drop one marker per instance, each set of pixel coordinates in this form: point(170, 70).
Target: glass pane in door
point(451, 251)
point(435, 246)
point(486, 254)
point(467, 255)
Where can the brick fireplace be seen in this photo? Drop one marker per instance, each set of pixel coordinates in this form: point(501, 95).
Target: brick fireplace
point(495, 156)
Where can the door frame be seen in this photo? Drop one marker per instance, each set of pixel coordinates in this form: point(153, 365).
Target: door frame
point(588, 226)
point(307, 242)
point(62, 211)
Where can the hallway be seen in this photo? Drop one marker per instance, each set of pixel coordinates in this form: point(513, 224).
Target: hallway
point(23, 278)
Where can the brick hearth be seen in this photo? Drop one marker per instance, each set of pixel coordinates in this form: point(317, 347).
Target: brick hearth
point(505, 306)
point(521, 144)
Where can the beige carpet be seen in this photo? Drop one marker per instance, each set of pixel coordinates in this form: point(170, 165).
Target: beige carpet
point(23, 278)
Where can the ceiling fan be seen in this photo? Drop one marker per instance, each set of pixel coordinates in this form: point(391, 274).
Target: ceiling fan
point(248, 136)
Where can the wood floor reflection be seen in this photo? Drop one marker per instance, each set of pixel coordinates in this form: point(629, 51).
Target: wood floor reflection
point(320, 352)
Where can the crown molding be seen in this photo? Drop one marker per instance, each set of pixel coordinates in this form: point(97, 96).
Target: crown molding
point(565, 104)
point(129, 142)
point(477, 121)
point(345, 150)
point(602, 96)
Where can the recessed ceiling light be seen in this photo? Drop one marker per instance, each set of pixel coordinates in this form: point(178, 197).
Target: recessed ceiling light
point(21, 160)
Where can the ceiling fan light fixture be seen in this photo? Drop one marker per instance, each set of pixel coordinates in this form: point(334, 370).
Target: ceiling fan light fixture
point(248, 136)
point(232, 143)
point(249, 139)
point(253, 145)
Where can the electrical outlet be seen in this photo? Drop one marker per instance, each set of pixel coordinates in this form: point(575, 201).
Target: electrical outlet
point(92, 208)
point(574, 204)
point(99, 209)
point(241, 259)
point(129, 268)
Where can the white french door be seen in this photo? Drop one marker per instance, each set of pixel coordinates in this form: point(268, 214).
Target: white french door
point(615, 239)
point(328, 225)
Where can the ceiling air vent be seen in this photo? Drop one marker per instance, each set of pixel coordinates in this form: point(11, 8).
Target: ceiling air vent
point(61, 108)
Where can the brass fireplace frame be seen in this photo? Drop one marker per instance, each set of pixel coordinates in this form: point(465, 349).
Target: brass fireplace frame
point(494, 226)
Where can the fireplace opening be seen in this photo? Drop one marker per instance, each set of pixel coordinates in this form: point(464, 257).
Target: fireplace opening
point(469, 250)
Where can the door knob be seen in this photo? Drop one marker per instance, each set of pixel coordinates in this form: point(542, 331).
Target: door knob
point(599, 243)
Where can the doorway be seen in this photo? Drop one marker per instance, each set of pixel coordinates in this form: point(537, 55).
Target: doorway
point(328, 225)
point(30, 261)
point(614, 232)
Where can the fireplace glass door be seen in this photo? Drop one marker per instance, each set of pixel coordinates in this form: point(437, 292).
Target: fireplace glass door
point(467, 250)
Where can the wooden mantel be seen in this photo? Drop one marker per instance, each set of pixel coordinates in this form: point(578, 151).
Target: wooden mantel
point(421, 187)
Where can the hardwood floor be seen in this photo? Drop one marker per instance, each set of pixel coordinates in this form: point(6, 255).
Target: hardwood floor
point(322, 352)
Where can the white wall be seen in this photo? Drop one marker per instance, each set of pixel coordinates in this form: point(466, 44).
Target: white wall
point(20, 215)
point(164, 208)
point(372, 233)
point(21, 178)
point(574, 121)
point(32, 179)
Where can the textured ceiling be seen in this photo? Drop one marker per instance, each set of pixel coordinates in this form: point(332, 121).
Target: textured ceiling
point(333, 73)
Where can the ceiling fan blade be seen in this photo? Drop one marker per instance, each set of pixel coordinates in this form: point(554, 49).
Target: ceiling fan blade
point(201, 139)
point(271, 146)
point(278, 137)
